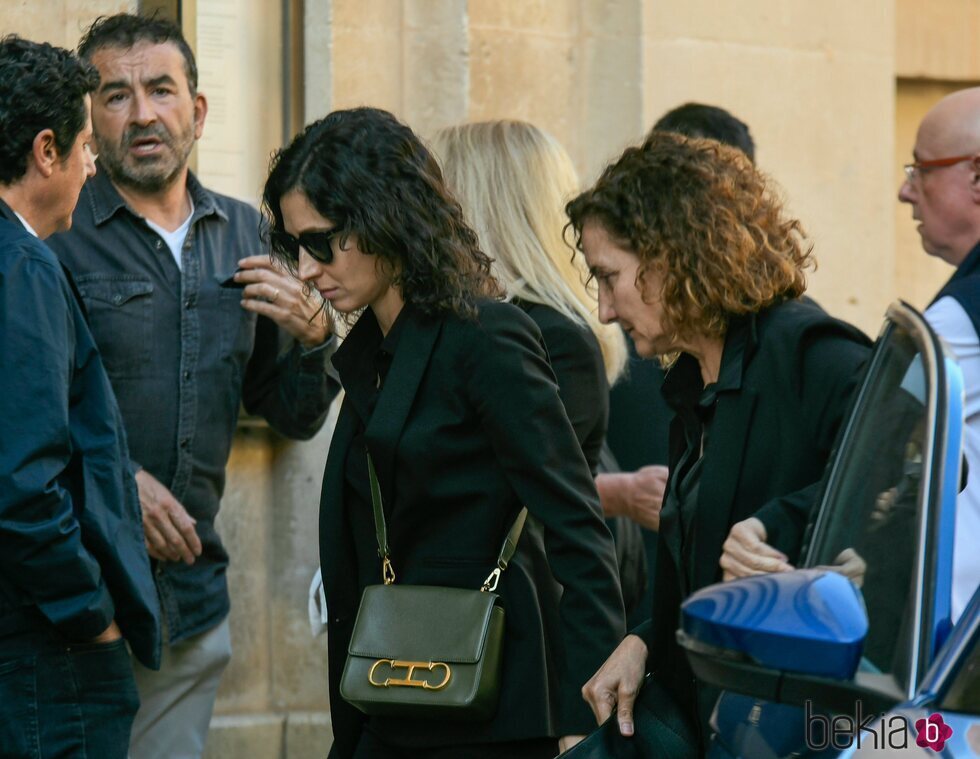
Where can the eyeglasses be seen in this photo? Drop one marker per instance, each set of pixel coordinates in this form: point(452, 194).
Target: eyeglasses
point(914, 170)
point(317, 244)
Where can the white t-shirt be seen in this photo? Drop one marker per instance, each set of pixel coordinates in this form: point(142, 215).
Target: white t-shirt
point(947, 317)
point(175, 239)
point(27, 226)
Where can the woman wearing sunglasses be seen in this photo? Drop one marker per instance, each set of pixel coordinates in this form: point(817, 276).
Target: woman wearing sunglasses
point(451, 392)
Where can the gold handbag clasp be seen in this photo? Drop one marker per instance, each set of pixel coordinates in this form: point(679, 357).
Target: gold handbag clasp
point(387, 571)
point(409, 681)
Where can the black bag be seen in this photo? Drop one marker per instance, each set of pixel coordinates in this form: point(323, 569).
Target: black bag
point(659, 730)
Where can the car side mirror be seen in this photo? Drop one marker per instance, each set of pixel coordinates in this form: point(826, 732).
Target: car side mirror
point(787, 637)
point(809, 621)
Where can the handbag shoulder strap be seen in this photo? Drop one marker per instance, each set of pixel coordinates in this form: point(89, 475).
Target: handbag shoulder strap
point(381, 534)
point(506, 551)
point(380, 528)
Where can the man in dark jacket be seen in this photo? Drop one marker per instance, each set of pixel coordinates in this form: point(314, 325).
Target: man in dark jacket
point(75, 580)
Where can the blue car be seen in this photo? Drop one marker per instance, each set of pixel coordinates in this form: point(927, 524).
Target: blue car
point(854, 654)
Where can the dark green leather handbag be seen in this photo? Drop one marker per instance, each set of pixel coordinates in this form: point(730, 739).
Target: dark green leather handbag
point(426, 651)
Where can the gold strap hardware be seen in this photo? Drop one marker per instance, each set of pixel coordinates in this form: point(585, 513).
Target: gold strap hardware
point(408, 682)
point(490, 584)
point(387, 571)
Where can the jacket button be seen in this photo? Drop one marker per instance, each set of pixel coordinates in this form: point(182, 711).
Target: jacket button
point(117, 299)
point(187, 375)
point(159, 244)
point(184, 443)
point(189, 303)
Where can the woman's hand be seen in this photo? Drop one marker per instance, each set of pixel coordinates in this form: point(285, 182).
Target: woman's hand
point(567, 741)
point(273, 292)
point(746, 552)
point(617, 682)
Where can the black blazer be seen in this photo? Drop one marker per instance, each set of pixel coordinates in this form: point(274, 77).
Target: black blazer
point(467, 428)
point(794, 371)
point(576, 360)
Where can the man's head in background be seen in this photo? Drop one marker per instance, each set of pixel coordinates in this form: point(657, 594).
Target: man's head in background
point(942, 184)
point(712, 122)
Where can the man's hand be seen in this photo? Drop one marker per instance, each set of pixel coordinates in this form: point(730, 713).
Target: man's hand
point(746, 552)
point(636, 495)
point(273, 292)
point(646, 495)
point(617, 682)
point(167, 527)
point(110, 634)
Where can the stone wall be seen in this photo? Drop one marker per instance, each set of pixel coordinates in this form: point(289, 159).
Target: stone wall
point(273, 698)
point(812, 80)
point(59, 22)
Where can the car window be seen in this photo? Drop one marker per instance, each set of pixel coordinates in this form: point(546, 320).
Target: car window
point(869, 525)
point(963, 694)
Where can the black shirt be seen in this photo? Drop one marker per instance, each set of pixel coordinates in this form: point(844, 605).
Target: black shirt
point(695, 403)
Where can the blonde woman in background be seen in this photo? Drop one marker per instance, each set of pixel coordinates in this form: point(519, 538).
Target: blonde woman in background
point(513, 180)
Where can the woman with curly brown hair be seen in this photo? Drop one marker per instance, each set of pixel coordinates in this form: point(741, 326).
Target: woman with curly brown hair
point(696, 260)
point(450, 391)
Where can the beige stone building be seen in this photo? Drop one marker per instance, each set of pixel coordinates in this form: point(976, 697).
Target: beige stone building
point(832, 91)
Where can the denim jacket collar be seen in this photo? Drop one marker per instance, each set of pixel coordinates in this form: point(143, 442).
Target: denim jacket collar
point(106, 200)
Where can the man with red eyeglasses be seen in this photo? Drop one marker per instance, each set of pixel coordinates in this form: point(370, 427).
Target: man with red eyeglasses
point(943, 187)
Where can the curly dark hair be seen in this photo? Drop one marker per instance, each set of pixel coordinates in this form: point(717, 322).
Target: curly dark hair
point(41, 87)
point(375, 180)
point(708, 220)
point(124, 30)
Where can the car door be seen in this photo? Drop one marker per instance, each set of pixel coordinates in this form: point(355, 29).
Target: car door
point(945, 713)
point(885, 519)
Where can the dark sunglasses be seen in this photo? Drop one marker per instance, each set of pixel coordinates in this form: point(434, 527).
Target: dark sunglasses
point(317, 244)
